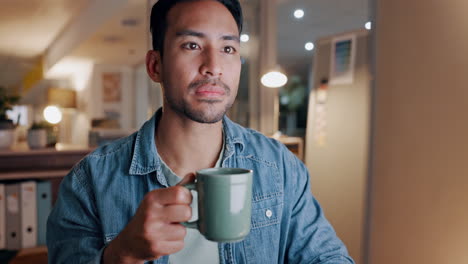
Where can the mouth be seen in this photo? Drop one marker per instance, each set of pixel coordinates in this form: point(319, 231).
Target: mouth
point(210, 91)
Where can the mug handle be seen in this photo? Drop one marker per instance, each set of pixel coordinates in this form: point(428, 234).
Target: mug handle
point(194, 224)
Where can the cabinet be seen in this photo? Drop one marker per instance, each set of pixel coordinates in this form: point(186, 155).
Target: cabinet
point(51, 164)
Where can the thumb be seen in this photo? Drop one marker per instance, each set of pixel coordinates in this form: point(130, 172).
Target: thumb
point(188, 179)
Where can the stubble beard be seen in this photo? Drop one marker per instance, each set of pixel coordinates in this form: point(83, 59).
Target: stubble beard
point(204, 115)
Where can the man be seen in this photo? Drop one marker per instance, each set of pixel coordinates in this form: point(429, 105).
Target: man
point(123, 203)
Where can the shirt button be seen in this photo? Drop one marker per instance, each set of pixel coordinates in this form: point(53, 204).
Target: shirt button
point(268, 213)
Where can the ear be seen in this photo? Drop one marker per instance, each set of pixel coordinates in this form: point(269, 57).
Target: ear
point(154, 65)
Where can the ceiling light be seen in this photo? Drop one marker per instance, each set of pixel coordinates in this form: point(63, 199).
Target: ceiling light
point(309, 46)
point(299, 13)
point(368, 25)
point(274, 79)
point(244, 38)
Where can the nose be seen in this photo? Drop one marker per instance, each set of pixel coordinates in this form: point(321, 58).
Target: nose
point(211, 63)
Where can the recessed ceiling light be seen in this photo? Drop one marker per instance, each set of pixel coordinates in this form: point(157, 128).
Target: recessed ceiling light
point(299, 13)
point(309, 46)
point(368, 25)
point(244, 38)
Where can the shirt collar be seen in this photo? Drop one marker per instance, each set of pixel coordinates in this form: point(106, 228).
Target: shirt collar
point(145, 156)
point(234, 135)
point(146, 160)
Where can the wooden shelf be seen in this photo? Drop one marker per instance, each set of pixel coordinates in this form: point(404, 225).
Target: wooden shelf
point(294, 144)
point(18, 175)
point(36, 255)
point(38, 164)
point(48, 163)
point(44, 164)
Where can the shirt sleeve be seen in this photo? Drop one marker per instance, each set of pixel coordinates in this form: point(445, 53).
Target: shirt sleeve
point(311, 238)
point(73, 231)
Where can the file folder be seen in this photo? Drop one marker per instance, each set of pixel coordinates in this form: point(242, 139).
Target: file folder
point(44, 206)
point(13, 223)
point(28, 214)
point(2, 217)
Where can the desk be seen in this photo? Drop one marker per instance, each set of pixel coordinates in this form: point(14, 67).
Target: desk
point(294, 144)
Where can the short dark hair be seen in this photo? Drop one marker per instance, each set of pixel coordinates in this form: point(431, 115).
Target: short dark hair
point(158, 24)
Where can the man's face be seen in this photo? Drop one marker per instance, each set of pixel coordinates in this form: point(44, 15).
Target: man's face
point(201, 66)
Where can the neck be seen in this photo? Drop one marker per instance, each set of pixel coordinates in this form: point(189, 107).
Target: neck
point(187, 146)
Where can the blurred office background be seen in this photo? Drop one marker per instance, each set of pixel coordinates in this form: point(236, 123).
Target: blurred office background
point(375, 102)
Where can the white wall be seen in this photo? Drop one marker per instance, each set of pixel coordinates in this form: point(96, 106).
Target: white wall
point(148, 96)
point(126, 106)
point(338, 168)
point(419, 210)
point(142, 87)
point(90, 105)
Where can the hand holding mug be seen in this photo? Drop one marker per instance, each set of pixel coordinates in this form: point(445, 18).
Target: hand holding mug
point(155, 229)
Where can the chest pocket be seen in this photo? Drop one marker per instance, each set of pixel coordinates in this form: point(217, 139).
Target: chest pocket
point(262, 244)
point(267, 194)
point(267, 211)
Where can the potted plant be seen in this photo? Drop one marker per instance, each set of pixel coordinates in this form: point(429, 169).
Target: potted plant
point(7, 127)
point(38, 135)
point(292, 97)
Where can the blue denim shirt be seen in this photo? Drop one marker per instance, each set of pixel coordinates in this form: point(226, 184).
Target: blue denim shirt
point(103, 191)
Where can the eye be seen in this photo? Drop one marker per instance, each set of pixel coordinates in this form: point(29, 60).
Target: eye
point(229, 50)
point(191, 46)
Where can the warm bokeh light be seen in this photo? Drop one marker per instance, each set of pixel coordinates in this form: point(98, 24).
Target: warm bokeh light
point(274, 79)
point(368, 25)
point(52, 114)
point(309, 46)
point(244, 38)
point(299, 13)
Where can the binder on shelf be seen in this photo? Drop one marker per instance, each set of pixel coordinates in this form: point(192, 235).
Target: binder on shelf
point(28, 214)
point(44, 206)
point(13, 223)
point(2, 217)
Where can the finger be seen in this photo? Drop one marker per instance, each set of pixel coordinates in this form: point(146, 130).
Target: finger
point(176, 213)
point(173, 232)
point(189, 178)
point(171, 195)
point(167, 247)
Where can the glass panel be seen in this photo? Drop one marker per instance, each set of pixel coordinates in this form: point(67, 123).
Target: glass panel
point(300, 24)
point(241, 111)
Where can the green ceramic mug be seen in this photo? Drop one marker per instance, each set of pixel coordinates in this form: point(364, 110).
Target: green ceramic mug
point(224, 203)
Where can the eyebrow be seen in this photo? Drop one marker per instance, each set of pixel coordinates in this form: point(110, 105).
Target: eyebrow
point(197, 34)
